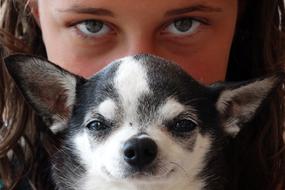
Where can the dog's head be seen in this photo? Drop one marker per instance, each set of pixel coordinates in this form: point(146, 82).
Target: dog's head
point(140, 123)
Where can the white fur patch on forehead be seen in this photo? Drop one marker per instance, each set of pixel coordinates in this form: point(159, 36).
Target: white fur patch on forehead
point(107, 109)
point(172, 108)
point(131, 82)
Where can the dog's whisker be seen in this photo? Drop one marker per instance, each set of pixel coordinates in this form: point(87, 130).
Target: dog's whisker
point(71, 181)
point(180, 167)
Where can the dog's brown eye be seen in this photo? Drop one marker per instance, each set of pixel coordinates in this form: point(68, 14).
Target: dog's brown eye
point(183, 126)
point(96, 125)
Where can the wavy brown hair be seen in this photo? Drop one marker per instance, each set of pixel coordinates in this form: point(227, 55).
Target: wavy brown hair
point(257, 155)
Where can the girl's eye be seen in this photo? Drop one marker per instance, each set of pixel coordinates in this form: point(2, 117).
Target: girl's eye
point(185, 26)
point(93, 28)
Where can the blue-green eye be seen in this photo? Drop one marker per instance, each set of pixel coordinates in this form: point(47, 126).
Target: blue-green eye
point(97, 126)
point(93, 28)
point(184, 26)
point(183, 126)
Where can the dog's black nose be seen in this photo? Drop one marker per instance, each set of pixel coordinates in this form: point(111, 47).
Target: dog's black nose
point(139, 152)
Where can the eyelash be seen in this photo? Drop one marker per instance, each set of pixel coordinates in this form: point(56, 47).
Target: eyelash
point(194, 23)
point(111, 28)
point(75, 27)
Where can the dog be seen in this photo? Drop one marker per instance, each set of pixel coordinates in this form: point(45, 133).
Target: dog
point(141, 123)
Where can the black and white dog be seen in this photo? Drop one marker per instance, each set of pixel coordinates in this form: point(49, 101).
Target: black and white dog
point(141, 123)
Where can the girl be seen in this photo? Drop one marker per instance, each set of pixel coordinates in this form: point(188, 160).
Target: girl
point(212, 40)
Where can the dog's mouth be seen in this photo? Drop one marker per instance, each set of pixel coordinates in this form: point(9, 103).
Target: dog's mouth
point(150, 175)
point(142, 175)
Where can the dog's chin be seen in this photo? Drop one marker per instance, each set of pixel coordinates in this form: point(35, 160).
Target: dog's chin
point(147, 176)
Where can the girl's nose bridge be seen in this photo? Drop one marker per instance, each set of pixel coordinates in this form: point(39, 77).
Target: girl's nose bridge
point(141, 43)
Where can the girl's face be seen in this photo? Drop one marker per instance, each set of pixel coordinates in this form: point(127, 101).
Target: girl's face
point(83, 36)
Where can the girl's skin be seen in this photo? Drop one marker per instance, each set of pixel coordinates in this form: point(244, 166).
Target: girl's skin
point(83, 36)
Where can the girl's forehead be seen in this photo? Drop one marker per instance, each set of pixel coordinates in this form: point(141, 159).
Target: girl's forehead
point(146, 11)
point(146, 5)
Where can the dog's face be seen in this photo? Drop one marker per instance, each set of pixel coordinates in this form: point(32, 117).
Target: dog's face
point(141, 123)
point(140, 128)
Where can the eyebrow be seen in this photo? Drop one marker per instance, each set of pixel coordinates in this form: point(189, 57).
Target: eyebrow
point(88, 10)
point(201, 8)
point(106, 12)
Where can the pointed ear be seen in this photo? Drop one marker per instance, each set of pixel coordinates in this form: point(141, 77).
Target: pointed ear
point(238, 105)
point(48, 88)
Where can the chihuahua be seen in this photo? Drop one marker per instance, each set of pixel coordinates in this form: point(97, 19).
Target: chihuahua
point(141, 123)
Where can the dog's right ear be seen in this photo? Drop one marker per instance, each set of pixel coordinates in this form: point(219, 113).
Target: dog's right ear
point(48, 88)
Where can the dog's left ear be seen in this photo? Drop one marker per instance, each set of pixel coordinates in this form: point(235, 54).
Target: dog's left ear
point(238, 104)
point(49, 89)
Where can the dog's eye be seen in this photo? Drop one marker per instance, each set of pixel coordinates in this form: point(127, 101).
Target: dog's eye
point(97, 125)
point(183, 126)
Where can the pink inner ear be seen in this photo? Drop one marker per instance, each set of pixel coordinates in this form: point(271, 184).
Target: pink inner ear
point(53, 98)
point(59, 106)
